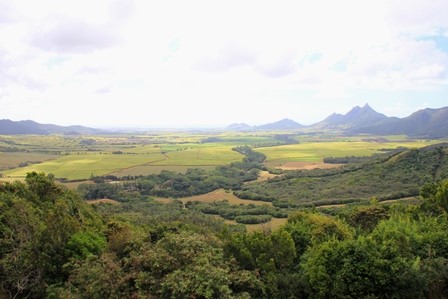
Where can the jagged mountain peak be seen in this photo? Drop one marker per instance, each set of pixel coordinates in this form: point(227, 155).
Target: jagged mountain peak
point(356, 117)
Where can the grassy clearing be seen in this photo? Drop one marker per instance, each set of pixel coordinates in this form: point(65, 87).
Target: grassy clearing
point(272, 225)
point(217, 195)
point(265, 175)
point(316, 151)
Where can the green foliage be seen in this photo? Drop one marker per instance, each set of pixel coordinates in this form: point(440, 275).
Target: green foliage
point(253, 219)
point(83, 244)
point(360, 268)
point(435, 196)
point(308, 228)
point(246, 214)
point(38, 220)
point(366, 217)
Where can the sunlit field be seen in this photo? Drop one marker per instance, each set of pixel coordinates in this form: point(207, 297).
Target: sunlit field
point(80, 157)
point(83, 166)
point(316, 151)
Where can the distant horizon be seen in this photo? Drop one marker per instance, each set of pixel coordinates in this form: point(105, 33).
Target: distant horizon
point(205, 126)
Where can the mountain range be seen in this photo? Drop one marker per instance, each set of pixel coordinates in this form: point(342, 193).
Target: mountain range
point(9, 127)
point(426, 123)
point(284, 124)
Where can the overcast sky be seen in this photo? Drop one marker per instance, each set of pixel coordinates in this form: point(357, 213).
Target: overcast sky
point(194, 63)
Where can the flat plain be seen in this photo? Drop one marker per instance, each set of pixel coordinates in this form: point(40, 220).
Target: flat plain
point(81, 157)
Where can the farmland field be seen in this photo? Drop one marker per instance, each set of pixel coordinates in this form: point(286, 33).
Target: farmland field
point(80, 157)
point(316, 151)
point(82, 166)
point(9, 160)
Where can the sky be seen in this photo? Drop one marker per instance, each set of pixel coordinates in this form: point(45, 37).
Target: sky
point(186, 64)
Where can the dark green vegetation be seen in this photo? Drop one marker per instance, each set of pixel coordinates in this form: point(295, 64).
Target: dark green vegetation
point(246, 214)
point(394, 175)
point(52, 244)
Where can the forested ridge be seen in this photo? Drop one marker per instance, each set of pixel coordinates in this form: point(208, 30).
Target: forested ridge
point(53, 244)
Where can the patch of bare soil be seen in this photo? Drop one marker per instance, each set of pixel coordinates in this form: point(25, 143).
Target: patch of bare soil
point(265, 175)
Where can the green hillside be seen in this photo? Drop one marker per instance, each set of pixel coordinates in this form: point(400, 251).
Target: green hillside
point(386, 177)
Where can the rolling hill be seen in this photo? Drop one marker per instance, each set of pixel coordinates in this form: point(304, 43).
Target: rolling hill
point(284, 124)
point(9, 127)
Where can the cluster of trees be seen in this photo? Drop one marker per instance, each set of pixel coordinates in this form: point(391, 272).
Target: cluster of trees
point(52, 244)
point(246, 214)
point(43, 230)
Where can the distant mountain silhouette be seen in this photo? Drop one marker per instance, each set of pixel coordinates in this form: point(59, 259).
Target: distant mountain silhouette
point(357, 117)
point(284, 124)
point(9, 127)
point(239, 127)
point(428, 123)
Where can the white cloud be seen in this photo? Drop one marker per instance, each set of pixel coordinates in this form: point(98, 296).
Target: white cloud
point(199, 62)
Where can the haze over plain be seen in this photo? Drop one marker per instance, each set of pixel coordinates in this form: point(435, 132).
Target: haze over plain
point(199, 63)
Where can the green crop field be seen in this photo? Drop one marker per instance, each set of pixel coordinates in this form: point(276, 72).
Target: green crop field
point(10, 160)
point(199, 154)
point(79, 157)
point(131, 160)
point(316, 151)
point(82, 166)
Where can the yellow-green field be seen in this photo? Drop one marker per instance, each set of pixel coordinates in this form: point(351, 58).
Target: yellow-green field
point(133, 161)
point(82, 166)
point(316, 151)
point(10, 160)
point(79, 157)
